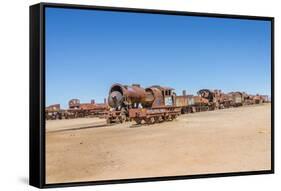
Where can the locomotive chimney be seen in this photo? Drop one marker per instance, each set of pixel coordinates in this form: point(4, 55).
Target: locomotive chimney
point(93, 101)
point(104, 100)
point(184, 92)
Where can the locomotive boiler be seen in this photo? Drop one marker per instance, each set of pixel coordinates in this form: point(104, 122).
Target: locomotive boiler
point(121, 98)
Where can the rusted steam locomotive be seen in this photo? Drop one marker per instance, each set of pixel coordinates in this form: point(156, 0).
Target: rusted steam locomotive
point(219, 100)
point(149, 105)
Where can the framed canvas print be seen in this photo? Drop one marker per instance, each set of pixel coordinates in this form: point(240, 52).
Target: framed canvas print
point(122, 95)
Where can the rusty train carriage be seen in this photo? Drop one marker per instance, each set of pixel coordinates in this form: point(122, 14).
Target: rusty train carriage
point(255, 99)
point(76, 110)
point(265, 98)
point(191, 104)
point(53, 112)
point(258, 99)
point(237, 98)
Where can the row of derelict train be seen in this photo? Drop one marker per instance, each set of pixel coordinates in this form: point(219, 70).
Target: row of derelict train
point(153, 104)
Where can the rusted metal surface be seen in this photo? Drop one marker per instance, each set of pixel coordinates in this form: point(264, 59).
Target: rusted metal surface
point(91, 106)
point(54, 107)
point(133, 101)
point(220, 100)
point(150, 116)
point(198, 100)
point(265, 98)
point(123, 95)
point(183, 101)
point(212, 98)
point(152, 104)
point(207, 94)
point(77, 109)
point(159, 105)
point(53, 112)
point(237, 98)
point(248, 99)
point(74, 103)
point(155, 97)
point(186, 103)
point(257, 99)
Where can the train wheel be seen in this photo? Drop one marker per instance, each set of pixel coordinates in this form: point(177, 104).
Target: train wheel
point(108, 121)
point(138, 121)
point(147, 120)
point(167, 117)
point(122, 118)
point(158, 119)
point(152, 120)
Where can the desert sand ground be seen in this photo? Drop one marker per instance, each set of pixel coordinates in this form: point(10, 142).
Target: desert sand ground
point(229, 140)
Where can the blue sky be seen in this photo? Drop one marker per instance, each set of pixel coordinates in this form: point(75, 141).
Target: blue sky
point(87, 51)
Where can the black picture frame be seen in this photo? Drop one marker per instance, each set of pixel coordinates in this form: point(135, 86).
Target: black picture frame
point(37, 94)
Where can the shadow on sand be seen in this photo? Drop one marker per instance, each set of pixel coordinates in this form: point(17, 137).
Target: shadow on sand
point(80, 128)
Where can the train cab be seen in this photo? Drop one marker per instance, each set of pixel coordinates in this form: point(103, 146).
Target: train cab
point(168, 96)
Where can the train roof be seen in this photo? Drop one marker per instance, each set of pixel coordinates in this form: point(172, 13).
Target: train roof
point(161, 87)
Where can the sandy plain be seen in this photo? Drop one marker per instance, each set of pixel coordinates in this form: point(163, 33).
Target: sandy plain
point(229, 140)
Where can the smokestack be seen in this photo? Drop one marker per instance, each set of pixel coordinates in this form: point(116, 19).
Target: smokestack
point(93, 101)
point(104, 100)
point(184, 92)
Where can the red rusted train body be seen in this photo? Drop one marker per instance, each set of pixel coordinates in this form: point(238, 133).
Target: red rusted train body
point(143, 105)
